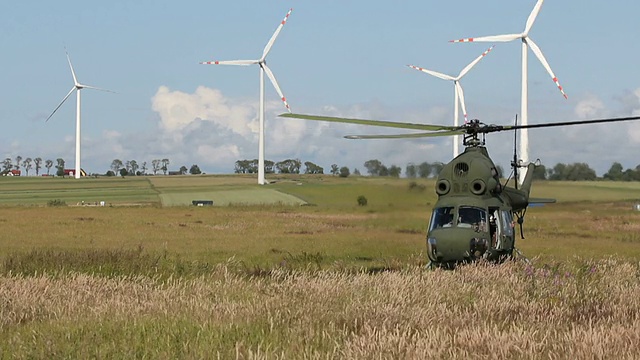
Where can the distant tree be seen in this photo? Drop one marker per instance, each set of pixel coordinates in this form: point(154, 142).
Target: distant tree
point(344, 172)
point(269, 166)
point(356, 172)
point(26, 164)
point(424, 170)
point(311, 168)
point(60, 166)
point(116, 165)
point(133, 167)
point(573, 172)
point(411, 171)
point(436, 167)
point(289, 166)
point(183, 170)
point(48, 164)
point(383, 171)
point(143, 168)
point(335, 169)
point(195, 170)
point(155, 166)
point(615, 172)
point(18, 162)
point(165, 166)
point(110, 173)
point(373, 167)
point(7, 164)
point(540, 173)
point(38, 165)
point(394, 171)
point(123, 172)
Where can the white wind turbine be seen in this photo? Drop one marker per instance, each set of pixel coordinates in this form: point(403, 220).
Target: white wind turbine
point(77, 86)
point(263, 69)
point(458, 94)
point(526, 42)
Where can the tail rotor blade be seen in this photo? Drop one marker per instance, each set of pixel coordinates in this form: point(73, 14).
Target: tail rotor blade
point(532, 16)
point(536, 50)
point(433, 73)
point(275, 85)
point(474, 62)
point(267, 48)
point(461, 97)
point(61, 102)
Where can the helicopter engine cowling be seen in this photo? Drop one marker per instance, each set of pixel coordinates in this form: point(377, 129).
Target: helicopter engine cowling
point(471, 173)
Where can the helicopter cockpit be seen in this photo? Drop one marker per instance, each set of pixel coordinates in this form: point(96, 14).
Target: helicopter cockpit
point(465, 217)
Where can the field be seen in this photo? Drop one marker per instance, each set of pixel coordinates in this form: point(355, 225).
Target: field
point(297, 269)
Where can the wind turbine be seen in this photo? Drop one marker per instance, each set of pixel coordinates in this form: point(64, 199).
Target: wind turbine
point(263, 69)
point(77, 86)
point(526, 43)
point(458, 94)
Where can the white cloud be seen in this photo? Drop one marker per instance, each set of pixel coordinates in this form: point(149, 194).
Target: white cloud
point(590, 107)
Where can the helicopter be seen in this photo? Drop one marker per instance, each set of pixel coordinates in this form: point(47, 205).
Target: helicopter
point(475, 215)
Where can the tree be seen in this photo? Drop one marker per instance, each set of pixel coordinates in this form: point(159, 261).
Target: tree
point(143, 168)
point(424, 170)
point(540, 173)
point(195, 170)
point(48, 164)
point(7, 164)
point(289, 166)
point(394, 171)
point(373, 167)
point(335, 169)
point(344, 172)
point(123, 172)
point(155, 166)
point(165, 166)
point(38, 163)
point(356, 172)
point(436, 167)
point(18, 160)
point(60, 166)
point(26, 164)
point(411, 170)
point(133, 165)
point(311, 168)
point(615, 172)
point(183, 170)
point(116, 165)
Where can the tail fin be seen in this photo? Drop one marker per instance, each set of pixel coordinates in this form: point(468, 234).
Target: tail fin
point(528, 179)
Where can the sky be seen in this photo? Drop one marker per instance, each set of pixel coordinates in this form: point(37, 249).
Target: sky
point(336, 58)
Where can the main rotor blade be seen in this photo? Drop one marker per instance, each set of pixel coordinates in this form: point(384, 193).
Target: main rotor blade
point(275, 85)
point(61, 102)
point(493, 38)
point(532, 16)
point(473, 63)
point(433, 73)
point(461, 99)
point(267, 48)
point(231, 62)
point(536, 50)
point(564, 123)
point(391, 124)
point(407, 136)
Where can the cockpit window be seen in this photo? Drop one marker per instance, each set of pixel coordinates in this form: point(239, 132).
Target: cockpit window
point(469, 215)
point(441, 217)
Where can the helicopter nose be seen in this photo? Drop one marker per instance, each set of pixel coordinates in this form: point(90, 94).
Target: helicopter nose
point(455, 245)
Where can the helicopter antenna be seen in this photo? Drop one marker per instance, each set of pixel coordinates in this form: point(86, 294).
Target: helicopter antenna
point(514, 163)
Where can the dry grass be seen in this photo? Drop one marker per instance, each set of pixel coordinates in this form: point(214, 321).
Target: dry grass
point(586, 310)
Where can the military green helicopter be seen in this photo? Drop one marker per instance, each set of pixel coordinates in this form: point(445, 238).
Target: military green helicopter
point(475, 215)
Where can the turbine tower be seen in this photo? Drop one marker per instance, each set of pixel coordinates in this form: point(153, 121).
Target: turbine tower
point(77, 87)
point(458, 94)
point(263, 69)
point(526, 43)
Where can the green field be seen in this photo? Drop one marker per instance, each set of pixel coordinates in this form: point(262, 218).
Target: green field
point(296, 269)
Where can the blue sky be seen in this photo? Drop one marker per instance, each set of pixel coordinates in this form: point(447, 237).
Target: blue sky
point(345, 58)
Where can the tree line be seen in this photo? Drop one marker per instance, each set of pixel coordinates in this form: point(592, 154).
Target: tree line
point(28, 164)
point(132, 168)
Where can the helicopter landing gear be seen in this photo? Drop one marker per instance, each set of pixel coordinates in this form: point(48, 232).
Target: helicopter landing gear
point(520, 256)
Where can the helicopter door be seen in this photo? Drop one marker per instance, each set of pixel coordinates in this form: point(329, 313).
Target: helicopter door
point(494, 227)
point(506, 229)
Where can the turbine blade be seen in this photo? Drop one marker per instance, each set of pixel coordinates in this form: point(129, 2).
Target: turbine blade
point(275, 85)
point(473, 63)
point(532, 16)
point(61, 102)
point(407, 136)
point(231, 62)
point(461, 99)
point(494, 38)
point(73, 73)
point(267, 48)
point(391, 124)
point(95, 88)
point(536, 50)
point(433, 73)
